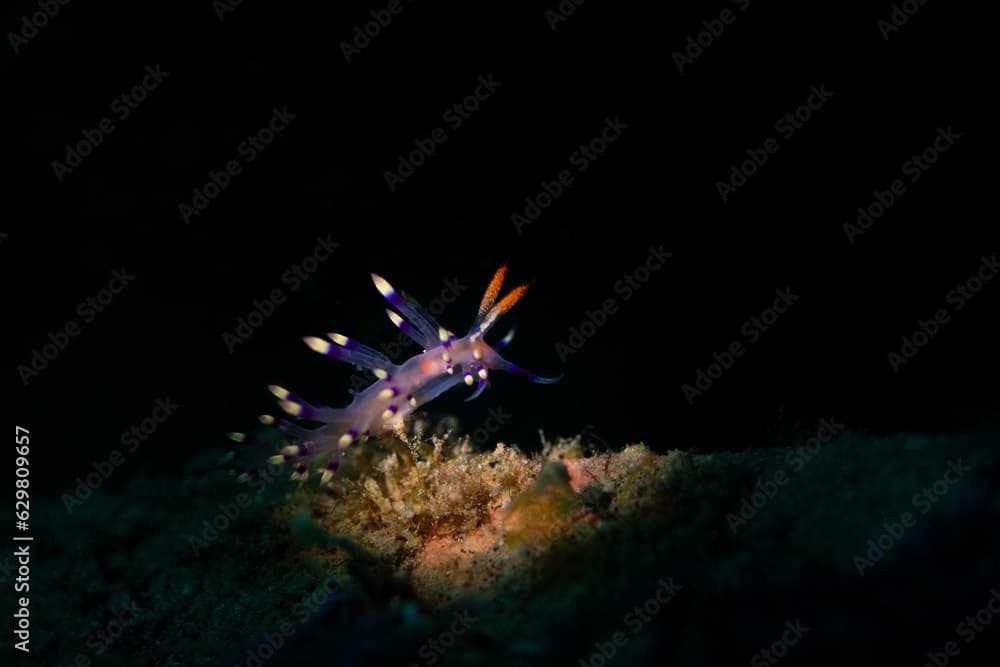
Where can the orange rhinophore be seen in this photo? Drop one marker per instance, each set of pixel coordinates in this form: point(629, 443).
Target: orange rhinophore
point(446, 362)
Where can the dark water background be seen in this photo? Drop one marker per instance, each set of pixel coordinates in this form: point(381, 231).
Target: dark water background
point(451, 220)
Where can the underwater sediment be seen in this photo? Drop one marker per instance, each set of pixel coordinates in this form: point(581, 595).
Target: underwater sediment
point(426, 552)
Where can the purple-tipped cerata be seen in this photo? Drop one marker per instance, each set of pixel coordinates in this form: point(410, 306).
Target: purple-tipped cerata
point(446, 362)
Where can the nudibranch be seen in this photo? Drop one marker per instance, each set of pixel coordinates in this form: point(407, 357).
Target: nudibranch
point(446, 362)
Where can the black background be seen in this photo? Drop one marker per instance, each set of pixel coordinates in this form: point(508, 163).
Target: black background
point(163, 336)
